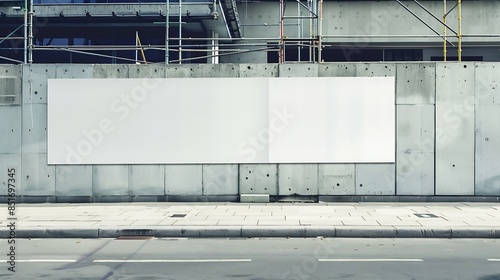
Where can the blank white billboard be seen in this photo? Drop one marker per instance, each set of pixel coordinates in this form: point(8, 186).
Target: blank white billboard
point(221, 120)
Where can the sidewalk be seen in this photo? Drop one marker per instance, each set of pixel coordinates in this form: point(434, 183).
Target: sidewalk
point(410, 220)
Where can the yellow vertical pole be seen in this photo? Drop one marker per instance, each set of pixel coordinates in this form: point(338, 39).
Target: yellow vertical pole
point(444, 33)
point(459, 35)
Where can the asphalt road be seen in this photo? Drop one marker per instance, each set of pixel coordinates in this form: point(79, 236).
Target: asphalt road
point(268, 258)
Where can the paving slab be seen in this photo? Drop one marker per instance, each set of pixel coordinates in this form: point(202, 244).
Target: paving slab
point(364, 219)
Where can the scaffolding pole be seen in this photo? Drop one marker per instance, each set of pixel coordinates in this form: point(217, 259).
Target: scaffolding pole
point(180, 31)
point(30, 33)
point(25, 31)
point(444, 30)
point(281, 53)
point(459, 35)
point(320, 31)
point(167, 29)
point(314, 8)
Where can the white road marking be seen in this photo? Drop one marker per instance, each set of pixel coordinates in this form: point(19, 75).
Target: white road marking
point(68, 261)
point(370, 260)
point(494, 260)
point(171, 261)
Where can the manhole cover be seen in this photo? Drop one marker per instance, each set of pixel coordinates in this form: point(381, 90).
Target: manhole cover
point(426, 215)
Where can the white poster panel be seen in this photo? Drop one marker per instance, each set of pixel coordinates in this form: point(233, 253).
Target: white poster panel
point(221, 120)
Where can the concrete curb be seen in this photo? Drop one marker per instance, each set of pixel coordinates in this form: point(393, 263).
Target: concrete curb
point(258, 231)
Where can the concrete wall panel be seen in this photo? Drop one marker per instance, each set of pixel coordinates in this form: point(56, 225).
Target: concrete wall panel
point(11, 70)
point(178, 71)
point(215, 70)
point(35, 82)
point(8, 161)
point(258, 179)
point(34, 128)
point(111, 71)
point(337, 70)
point(487, 160)
point(110, 180)
point(73, 180)
point(298, 70)
point(147, 71)
point(375, 69)
point(455, 129)
point(375, 179)
point(70, 71)
point(415, 150)
point(220, 179)
point(416, 83)
point(258, 70)
point(487, 140)
point(487, 175)
point(183, 179)
point(146, 180)
point(300, 179)
point(487, 83)
point(38, 177)
point(336, 179)
point(10, 129)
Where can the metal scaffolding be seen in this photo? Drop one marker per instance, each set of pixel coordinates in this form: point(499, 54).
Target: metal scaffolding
point(309, 14)
point(314, 10)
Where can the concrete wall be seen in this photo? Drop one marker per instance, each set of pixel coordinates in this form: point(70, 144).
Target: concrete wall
point(447, 134)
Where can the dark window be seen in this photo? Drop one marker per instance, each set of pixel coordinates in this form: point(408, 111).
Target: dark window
point(403, 55)
point(455, 58)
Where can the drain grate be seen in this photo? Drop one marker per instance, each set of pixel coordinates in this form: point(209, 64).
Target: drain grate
point(426, 215)
point(136, 234)
point(134, 237)
point(178, 215)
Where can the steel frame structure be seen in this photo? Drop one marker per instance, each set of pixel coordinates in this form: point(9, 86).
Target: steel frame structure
point(314, 41)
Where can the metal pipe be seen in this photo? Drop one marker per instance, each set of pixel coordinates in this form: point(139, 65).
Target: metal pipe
point(180, 32)
point(309, 4)
point(459, 35)
point(320, 30)
point(136, 46)
point(226, 54)
point(12, 33)
point(10, 59)
point(141, 48)
point(30, 34)
point(10, 38)
point(456, 4)
point(298, 1)
point(281, 45)
point(298, 28)
point(90, 53)
point(411, 36)
point(422, 21)
point(132, 47)
point(444, 31)
point(299, 17)
point(167, 29)
point(268, 24)
point(25, 31)
point(430, 13)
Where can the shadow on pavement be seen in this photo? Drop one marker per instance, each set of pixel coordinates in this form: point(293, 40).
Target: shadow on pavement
point(490, 277)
